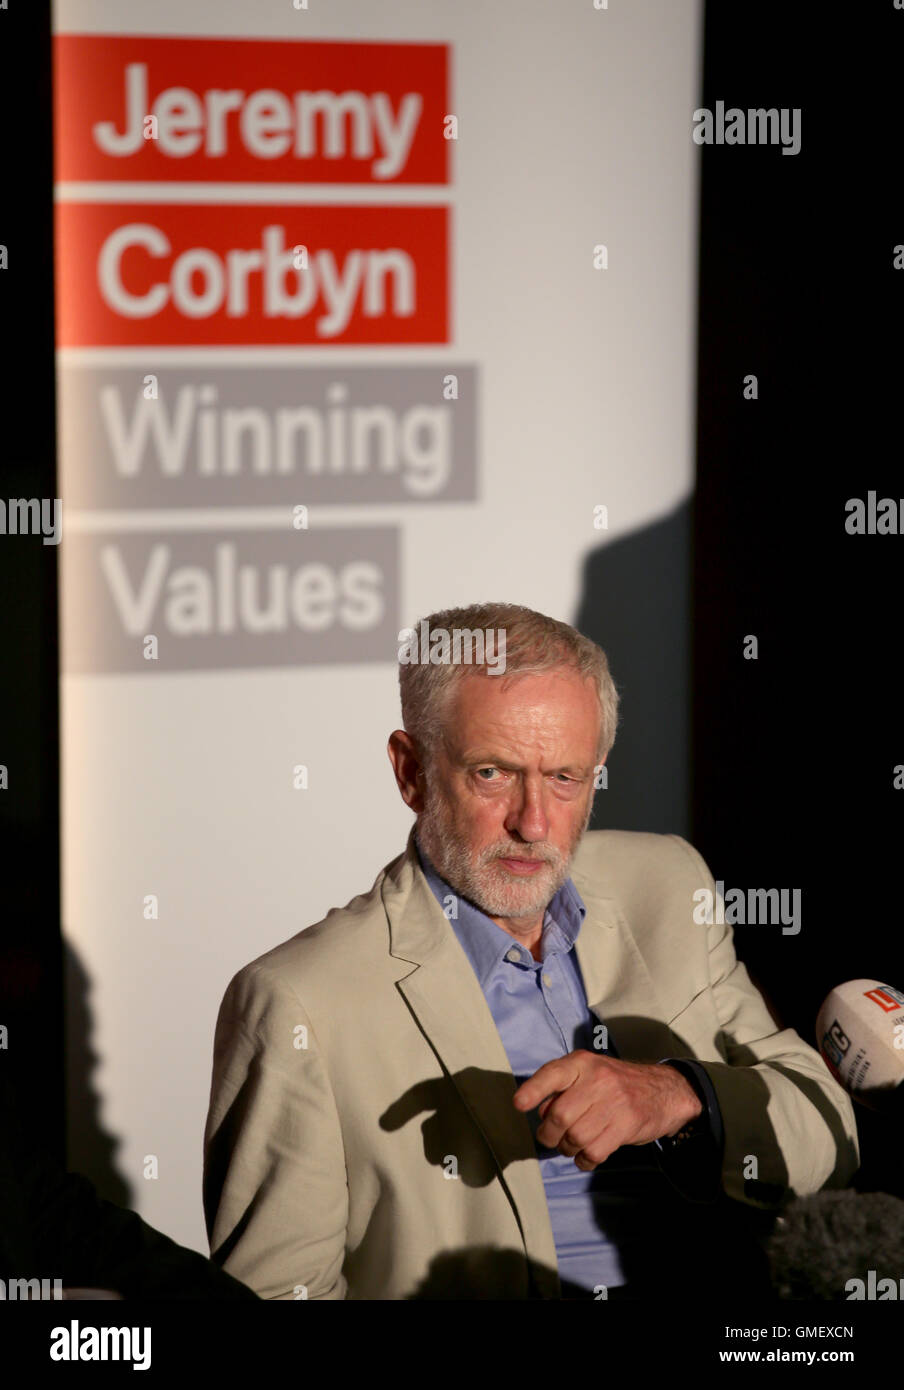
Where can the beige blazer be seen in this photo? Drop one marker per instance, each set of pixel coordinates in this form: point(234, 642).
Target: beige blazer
point(361, 1136)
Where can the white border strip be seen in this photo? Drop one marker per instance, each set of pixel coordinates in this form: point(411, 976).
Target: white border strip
point(315, 194)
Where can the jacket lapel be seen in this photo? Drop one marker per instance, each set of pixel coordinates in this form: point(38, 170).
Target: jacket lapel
point(620, 989)
point(440, 987)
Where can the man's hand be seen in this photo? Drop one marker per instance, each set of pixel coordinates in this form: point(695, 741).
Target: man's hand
point(591, 1105)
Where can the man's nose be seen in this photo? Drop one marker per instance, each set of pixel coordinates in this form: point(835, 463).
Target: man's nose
point(527, 814)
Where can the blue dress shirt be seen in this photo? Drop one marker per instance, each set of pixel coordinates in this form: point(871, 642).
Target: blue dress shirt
point(603, 1222)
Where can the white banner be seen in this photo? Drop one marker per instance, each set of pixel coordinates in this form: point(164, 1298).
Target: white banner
point(362, 312)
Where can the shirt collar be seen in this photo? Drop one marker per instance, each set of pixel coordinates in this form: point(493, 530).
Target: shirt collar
point(485, 943)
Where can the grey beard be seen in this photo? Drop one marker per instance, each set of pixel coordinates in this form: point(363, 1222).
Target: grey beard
point(483, 885)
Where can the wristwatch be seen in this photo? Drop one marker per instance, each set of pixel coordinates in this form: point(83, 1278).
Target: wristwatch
point(692, 1158)
point(701, 1123)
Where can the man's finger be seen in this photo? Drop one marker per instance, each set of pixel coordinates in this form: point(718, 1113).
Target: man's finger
point(604, 1143)
point(572, 1115)
point(544, 1106)
point(553, 1076)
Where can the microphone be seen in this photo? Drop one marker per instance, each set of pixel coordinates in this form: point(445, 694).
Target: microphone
point(838, 1246)
point(844, 1245)
point(860, 1034)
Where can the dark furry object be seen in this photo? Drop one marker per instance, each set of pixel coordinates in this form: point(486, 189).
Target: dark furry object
point(822, 1241)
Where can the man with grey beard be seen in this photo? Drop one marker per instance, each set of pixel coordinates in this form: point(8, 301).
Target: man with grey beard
point(517, 1067)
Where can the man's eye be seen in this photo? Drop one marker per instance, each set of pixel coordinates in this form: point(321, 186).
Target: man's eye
point(481, 770)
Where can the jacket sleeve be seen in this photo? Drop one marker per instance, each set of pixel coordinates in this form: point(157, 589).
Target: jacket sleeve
point(789, 1127)
point(275, 1187)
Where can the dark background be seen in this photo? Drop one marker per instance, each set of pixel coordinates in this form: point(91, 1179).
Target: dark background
point(788, 775)
point(793, 754)
point(31, 996)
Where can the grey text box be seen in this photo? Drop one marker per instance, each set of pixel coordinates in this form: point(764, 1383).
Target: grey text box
point(265, 435)
point(220, 599)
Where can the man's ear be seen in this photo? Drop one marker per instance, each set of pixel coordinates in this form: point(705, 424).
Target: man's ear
point(406, 766)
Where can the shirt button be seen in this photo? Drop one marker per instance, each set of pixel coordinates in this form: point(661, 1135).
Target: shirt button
point(514, 955)
point(547, 980)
